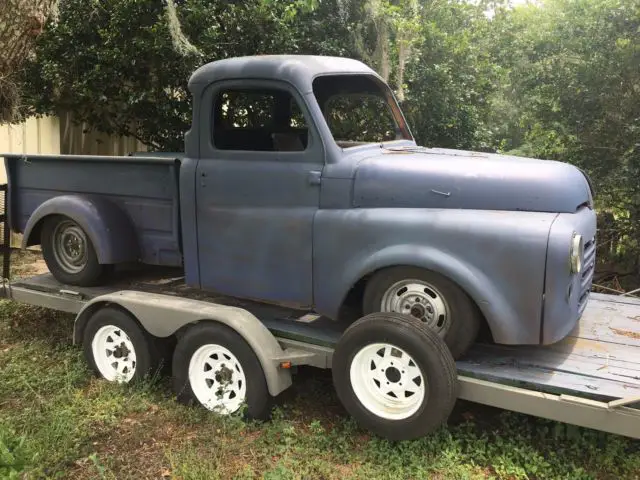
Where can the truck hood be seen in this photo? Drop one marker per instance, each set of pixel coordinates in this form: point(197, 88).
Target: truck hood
point(441, 178)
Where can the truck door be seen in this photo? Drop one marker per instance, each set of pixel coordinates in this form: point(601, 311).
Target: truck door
point(257, 191)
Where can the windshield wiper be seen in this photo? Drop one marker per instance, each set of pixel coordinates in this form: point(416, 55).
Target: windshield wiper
point(408, 148)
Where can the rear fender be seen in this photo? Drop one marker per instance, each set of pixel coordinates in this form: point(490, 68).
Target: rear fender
point(107, 226)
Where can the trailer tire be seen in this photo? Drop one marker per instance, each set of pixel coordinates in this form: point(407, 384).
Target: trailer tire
point(67, 267)
point(103, 331)
point(235, 370)
point(402, 392)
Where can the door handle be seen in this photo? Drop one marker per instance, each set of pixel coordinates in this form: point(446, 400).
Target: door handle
point(314, 177)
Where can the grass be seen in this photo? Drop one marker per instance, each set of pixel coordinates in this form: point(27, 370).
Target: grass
point(58, 421)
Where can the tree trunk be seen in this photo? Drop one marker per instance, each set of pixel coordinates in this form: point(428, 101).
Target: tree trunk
point(21, 21)
point(383, 49)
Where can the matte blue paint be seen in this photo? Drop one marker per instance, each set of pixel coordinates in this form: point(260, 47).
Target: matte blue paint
point(126, 194)
point(564, 290)
point(498, 258)
point(264, 225)
point(479, 181)
point(108, 228)
point(255, 213)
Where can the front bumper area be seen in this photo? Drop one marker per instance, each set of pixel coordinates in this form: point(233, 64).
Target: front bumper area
point(566, 294)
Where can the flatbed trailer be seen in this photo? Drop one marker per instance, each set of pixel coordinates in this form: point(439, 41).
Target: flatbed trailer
point(590, 379)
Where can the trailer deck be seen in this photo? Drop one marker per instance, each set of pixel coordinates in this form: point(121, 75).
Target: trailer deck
point(591, 378)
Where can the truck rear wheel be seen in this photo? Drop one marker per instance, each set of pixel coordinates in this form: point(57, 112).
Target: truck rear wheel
point(429, 297)
point(70, 254)
point(215, 367)
point(395, 376)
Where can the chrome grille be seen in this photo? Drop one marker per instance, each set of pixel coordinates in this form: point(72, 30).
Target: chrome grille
point(586, 277)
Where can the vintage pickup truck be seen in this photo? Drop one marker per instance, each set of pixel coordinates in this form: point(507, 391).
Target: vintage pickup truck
point(301, 183)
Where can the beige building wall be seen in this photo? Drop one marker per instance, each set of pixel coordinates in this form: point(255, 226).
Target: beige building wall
point(59, 135)
point(54, 136)
point(78, 140)
point(35, 135)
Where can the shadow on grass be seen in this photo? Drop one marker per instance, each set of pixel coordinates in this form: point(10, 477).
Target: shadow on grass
point(25, 323)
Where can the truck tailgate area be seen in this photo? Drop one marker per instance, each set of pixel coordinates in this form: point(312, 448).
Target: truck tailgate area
point(145, 189)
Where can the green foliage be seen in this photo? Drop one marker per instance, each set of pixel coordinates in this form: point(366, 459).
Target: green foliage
point(451, 77)
point(12, 455)
point(557, 80)
point(114, 64)
point(571, 91)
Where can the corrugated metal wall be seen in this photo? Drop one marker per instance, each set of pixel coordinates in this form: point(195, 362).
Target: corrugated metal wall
point(75, 140)
point(35, 135)
point(53, 135)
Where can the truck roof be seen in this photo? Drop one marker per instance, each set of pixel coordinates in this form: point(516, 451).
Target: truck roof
point(299, 70)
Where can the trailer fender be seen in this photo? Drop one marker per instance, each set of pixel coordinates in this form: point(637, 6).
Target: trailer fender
point(164, 315)
point(106, 225)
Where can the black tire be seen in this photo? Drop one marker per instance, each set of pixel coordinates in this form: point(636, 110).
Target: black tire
point(465, 317)
point(147, 352)
point(427, 350)
point(257, 401)
point(91, 274)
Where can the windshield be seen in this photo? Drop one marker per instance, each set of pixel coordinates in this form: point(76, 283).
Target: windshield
point(359, 109)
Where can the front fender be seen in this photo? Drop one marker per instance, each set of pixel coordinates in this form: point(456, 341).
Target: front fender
point(473, 281)
point(107, 226)
point(496, 257)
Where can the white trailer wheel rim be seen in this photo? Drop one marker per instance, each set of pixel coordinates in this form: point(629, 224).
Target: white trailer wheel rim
point(387, 381)
point(114, 354)
point(421, 300)
point(217, 379)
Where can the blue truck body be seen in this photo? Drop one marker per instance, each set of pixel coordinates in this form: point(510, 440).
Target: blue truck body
point(309, 223)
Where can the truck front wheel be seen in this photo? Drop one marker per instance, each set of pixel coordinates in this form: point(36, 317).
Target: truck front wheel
point(69, 253)
point(429, 297)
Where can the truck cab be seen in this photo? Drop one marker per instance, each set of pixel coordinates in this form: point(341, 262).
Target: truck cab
point(301, 183)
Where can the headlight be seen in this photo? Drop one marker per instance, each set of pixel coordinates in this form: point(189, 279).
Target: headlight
point(576, 253)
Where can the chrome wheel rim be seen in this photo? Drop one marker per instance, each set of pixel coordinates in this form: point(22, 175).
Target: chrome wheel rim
point(70, 246)
point(387, 381)
point(217, 379)
point(421, 300)
point(114, 354)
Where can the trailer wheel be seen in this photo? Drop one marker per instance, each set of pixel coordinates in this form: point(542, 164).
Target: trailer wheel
point(395, 376)
point(70, 254)
point(117, 348)
point(215, 367)
point(429, 297)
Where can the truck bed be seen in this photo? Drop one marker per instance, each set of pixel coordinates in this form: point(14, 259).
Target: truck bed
point(600, 359)
point(143, 188)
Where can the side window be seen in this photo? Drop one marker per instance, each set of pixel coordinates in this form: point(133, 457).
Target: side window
point(258, 120)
